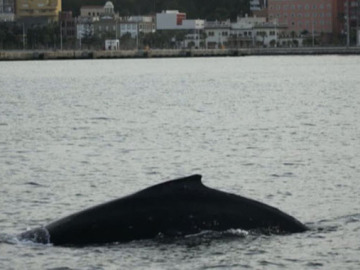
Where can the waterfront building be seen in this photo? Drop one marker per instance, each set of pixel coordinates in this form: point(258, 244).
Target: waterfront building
point(193, 39)
point(256, 5)
point(267, 34)
point(102, 22)
point(91, 11)
point(303, 15)
point(84, 28)
point(353, 11)
point(105, 28)
point(7, 10)
point(38, 11)
point(112, 44)
point(146, 24)
point(99, 21)
point(316, 17)
point(118, 27)
point(67, 24)
point(97, 12)
point(175, 20)
point(217, 34)
point(245, 32)
point(242, 31)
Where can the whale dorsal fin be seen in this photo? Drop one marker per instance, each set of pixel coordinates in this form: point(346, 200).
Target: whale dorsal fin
point(192, 180)
point(185, 183)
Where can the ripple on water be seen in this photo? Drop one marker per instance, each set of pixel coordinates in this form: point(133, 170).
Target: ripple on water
point(260, 125)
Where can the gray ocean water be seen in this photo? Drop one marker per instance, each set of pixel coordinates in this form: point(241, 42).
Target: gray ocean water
point(282, 130)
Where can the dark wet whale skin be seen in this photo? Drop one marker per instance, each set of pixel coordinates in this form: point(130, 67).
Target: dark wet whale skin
point(174, 208)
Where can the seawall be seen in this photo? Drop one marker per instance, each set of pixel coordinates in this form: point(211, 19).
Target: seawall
point(157, 53)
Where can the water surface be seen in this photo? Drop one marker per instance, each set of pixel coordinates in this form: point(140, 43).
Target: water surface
point(282, 130)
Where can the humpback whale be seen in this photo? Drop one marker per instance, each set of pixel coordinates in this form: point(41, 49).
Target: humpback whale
point(174, 208)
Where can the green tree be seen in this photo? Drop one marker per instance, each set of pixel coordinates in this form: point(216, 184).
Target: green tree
point(10, 36)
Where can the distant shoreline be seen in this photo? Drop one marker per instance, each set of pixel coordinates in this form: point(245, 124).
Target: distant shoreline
point(162, 53)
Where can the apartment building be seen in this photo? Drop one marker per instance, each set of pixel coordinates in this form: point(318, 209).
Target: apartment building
point(67, 24)
point(38, 11)
point(314, 16)
point(300, 15)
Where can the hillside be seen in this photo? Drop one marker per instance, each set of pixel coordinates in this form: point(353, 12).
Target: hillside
point(204, 9)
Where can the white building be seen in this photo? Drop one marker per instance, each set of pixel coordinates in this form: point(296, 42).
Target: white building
point(97, 12)
point(145, 24)
point(7, 10)
point(175, 20)
point(194, 40)
point(242, 31)
point(84, 27)
point(90, 15)
point(245, 32)
point(112, 44)
point(127, 27)
point(269, 35)
point(256, 5)
point(91, 11)
point(109, 8)
point(7, 17)
point(217, 34)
